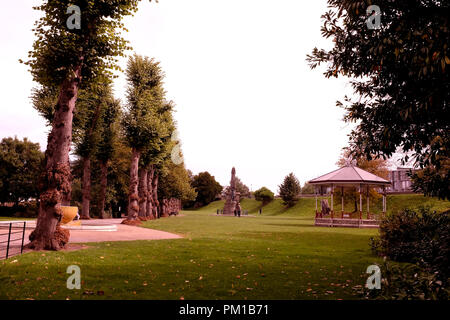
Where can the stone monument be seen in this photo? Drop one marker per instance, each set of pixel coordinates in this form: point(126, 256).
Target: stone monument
point(231, 195)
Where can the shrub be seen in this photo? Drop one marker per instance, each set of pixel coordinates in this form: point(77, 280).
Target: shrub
point(29, 209)
point(408, 282)
point(20, 167)
point(417, 237)
point(264, 194)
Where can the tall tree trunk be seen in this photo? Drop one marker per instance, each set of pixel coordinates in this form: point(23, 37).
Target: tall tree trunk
point(133, 198)
point(164, 208)
point(86, 183)
point(67, 196)
point(55, 181)
point(143, 193)
point(155, 195)
point(86, 187)
point(149, 210)
point(103, 186)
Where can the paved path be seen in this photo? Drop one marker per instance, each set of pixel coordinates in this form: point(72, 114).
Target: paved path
point(123, 233)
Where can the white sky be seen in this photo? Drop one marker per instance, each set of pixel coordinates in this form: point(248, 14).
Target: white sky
point(236, 70)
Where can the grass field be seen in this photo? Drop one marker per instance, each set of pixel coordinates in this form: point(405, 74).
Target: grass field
point(278, 255)
point(14, 219)
point(306, 206)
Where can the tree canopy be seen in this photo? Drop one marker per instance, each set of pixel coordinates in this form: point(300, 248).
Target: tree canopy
point(67, 59)
point(176, 184)
point(92, 105)
point(109, 129)
point(142, 122)
point(58, 50)
point(207, 188)
point(242, 188)
point(400, 76)
point(20, 167)
point(289, 190)
point(307, 188)
point(264, 194)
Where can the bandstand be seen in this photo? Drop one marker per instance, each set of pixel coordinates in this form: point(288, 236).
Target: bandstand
point(349, 176)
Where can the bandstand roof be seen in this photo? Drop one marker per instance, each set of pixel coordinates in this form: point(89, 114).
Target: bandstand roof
point(349, 175)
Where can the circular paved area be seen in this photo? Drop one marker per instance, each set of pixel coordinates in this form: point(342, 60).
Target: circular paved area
point(123, 232)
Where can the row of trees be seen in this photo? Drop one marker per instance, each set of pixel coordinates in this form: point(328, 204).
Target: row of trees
point(73, 67)
point(20, 159)
point(150, 132)
point(143, 130)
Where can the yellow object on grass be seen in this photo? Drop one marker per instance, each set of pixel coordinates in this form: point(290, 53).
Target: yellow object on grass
point(68, 214)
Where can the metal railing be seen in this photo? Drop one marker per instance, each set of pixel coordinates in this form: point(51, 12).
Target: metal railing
point(10, 234)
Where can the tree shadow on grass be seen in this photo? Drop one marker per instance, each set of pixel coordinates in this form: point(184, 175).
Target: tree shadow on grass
point(290, 225)
point(320, 237)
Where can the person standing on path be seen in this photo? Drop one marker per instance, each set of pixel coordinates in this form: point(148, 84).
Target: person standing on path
point(238, 209)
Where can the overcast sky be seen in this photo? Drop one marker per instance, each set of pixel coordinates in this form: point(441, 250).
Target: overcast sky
point(236, 70)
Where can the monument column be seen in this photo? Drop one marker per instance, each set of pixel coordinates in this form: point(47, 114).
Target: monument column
point(232, 196)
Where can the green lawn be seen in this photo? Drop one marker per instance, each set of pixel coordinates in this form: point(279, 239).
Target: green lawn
point(306, 206)
point(14, 219)
point(272, 256)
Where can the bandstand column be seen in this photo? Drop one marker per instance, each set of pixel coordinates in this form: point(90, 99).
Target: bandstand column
point(332, 204)
point(360, 202)
point(368, 209)
point(315, 194)
point(342, 202)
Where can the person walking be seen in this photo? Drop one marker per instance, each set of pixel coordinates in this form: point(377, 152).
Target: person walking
point(238, 209)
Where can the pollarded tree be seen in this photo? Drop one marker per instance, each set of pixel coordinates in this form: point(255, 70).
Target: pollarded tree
point(45, 99)
point(399, 68)
point(289, 190)
point(148, 176)
point(150, 162)
point(91, 111)
point(67, 55)
point(118, 177)
point(158, 168)
point(169, 173)
point(142, 123)
point(176, 184)
point(107, 144)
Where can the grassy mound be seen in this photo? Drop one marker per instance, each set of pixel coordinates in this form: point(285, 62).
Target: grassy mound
point(305, 207)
